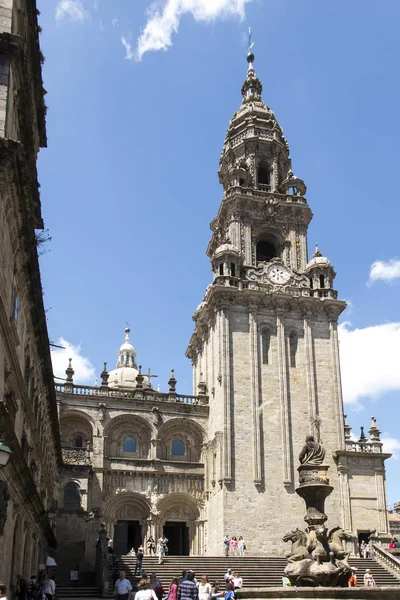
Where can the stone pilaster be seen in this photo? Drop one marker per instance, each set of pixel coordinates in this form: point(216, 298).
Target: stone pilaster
point(254, 391)
point(283, 396)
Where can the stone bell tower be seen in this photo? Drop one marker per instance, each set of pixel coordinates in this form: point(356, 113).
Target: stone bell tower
point(265, 344)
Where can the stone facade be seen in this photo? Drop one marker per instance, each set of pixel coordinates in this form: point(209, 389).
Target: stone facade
point(266, 370)
point(28, 409)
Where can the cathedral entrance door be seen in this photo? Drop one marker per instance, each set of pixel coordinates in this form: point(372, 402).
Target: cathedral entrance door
point(177, 534)
point(127, 535)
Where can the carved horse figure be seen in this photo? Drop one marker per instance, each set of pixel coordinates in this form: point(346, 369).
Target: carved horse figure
point(322, 552)
point(335, 538)
point(299, 545)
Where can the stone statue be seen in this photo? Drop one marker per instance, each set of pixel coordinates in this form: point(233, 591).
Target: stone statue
point(4, 498)
point(313, 452)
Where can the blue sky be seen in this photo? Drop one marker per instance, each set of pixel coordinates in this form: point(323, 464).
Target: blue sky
point(139, 103)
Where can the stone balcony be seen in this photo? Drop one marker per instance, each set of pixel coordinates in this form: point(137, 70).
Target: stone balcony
point(78, 457)
point(142, 394)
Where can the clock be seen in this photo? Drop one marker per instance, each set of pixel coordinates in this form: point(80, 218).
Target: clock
point(278, 274)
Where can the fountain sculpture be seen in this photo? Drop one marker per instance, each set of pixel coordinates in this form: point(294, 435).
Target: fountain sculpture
point(317, 557)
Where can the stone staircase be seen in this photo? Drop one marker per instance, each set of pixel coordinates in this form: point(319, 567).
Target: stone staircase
point(77, 591)
point(256, 571)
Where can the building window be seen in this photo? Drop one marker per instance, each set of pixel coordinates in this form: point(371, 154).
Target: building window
point(178, 448)
point(78, 441)
point(293, 349)
point(72, 497)
point(15, 307)
point(221, 269)
point(233, 271)
point(263, 175)
point(266, 340)
point(265, 251)
point(321, 281)
point(129, 444)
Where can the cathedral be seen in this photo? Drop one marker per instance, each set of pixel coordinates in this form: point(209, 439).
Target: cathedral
point(266, 372)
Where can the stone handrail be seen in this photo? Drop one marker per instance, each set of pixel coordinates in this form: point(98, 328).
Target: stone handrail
point(366, 447)
point(388, 559)
point(88, 390)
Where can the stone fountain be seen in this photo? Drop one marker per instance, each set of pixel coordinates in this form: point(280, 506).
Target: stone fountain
point(317, 557)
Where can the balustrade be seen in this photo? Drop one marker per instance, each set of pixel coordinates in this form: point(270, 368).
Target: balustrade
point(387, 559)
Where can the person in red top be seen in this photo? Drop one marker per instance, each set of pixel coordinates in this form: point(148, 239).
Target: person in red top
point(353, 579)
point(391, 545)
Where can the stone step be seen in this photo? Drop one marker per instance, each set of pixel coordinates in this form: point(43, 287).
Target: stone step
point(77, 591)
point(256, 571)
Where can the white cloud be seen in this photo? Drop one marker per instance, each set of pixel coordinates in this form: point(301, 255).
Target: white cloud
point(114, 22)
point(128, 48)
point(84, 370)
point(369, 360)
point(70, 9)
point(157, 33)
point(386, 271)
point(391, 445)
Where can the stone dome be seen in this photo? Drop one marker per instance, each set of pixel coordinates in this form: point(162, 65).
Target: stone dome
point(225, 249)
point(318, 260)
point(124, 376)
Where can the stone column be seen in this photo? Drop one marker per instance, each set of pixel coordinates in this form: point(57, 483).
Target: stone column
point(283, 384)
point(337, 384)
point(310, 370)
point(381, 500)
point(226, 382)
point(254, 392)
point(344, 489)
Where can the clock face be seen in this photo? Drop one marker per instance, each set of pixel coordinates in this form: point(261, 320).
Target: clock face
point(278, 274)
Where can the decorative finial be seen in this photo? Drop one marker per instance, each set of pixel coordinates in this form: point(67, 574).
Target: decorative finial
point(202, 387)
point(104, 376)
point(347, 428)
point(250, 54)
point(139, 379)
point(374, 432)
point(127, 332)
point(172, 382)
point(317, 252)
point(363, 437)
point(69, 372)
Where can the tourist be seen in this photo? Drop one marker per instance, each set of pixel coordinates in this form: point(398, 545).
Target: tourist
point(228, 576)
point(242, 546)
point(204, 588)
point(234, 545)
point(230, 594)
point(173, 589)
point(132, 552)
point(184, 575)
point(216, 591)
point(144, 593)
point(226, 545)
point(369, 578)
point(237, 581)
point(21, 588)
point(123, 587)
point(363, 549)
point(139, 560)
point(48, 587)
point(33, 588)
point(151, 546)
point(353, 579)
point(162, 549)
point(155, 584)
point(3, 591)
point(396, 544)
point(391, 545)
point(188, 589)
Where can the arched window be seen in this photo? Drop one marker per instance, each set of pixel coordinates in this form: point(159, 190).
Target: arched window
point(233, 270)
point(129, 444)
point(265, 251)
point(78, 441)
point(293, 349)
point(321, 281)
point(266, 340)
point(178, 448)
point(263, 175)
point(221, 269)
point(72, 497)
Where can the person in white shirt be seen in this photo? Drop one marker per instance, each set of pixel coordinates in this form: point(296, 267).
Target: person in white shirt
point(237, 581)
point(144, 593)
point(48, 587)
point(122, 587)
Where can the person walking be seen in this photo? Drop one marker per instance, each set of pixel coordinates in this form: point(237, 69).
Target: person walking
point(21, 587)
point(122, 587)
point(173, 589)
point(139, 560)
point(241, 546)
point(161, 549)
point(204, 588)
point(188, 589)
point(144, 592)
point(369, 578)
point(33, 588)
point(226, 545)
point(234, 545)
point(48, 587)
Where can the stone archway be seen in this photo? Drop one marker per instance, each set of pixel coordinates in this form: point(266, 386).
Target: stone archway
point(127, 516)
point(180, 520)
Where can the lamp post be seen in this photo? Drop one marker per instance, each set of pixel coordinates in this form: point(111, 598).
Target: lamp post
point(5, 454)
